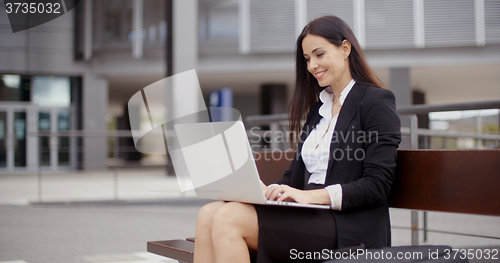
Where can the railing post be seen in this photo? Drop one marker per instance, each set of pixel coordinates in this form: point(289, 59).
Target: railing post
point(425, 226)
point(115, 170)
point(414, 131)
point(414, 145)
point(414, 227)
point(39, 173)
point(479, 130)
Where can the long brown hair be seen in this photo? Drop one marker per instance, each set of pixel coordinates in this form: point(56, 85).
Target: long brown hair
point(307, 89)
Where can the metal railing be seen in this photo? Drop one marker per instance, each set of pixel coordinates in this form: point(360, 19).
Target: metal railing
point(116, 150)
point(278, 125)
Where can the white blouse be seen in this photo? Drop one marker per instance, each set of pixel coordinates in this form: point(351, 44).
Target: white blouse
point(316, 148)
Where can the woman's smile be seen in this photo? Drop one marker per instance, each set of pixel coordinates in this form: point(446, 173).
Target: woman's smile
point(319, 74)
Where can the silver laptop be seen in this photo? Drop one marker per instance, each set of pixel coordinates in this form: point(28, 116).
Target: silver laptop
point(220, 163)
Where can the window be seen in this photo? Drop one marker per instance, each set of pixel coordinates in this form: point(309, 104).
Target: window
point(51, 91)
point(14, 88)
point(218, 26)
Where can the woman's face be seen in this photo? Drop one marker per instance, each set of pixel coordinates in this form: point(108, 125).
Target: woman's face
point(327, 62)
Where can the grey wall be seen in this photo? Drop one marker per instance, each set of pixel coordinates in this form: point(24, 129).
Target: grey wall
point(401, 86)
point(48, 49)
point(95, 108)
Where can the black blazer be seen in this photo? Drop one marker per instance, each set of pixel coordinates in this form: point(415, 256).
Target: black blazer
point(362, 160)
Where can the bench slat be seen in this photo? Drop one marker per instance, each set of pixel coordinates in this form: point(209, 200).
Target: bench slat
point(178, 249)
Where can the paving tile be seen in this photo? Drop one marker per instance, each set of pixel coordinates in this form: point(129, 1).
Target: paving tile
point(98, 258)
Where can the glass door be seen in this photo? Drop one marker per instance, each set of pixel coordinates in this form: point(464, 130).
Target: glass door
point(21, 150)
point(13, 138)
point(44, 141)
point(20, 139)
point(64, 149)
point(55, 152)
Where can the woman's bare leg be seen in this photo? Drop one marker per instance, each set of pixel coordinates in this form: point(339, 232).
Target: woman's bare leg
point(203, 248)
point(235, 229)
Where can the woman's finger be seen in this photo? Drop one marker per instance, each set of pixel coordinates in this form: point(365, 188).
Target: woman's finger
point(283, 196)
point(276, 193)
point(269, 191)
point(290, 194)
point(272, 192)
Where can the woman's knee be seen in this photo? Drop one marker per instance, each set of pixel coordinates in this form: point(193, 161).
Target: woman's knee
point(234, 221)
point(206, 214)
point(232, 216)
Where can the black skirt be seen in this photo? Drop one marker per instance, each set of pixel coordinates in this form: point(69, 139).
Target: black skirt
point(289, 234)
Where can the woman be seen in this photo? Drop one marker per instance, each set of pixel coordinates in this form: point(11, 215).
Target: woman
point(346, 153)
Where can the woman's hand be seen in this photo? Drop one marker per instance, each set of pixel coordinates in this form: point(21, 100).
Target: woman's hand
point(290, 194)
point(287, 193)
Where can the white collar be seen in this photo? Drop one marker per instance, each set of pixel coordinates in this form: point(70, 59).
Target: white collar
point(327, 99)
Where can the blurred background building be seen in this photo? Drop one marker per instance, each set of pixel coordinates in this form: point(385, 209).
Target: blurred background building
point(77, 72)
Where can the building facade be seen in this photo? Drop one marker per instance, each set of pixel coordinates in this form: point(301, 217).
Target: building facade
point(77, 72)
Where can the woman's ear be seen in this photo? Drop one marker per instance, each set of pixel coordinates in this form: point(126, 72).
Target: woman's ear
point(346, 48)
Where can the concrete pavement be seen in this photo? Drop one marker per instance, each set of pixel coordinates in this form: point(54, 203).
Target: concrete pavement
point(125, 184)
point(107, 217)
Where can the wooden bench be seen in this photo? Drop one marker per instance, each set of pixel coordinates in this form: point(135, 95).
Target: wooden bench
point(461, 181)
